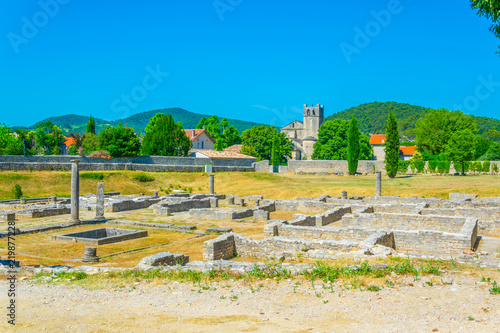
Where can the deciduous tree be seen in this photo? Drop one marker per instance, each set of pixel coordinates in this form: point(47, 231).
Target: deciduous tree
point(460, 147)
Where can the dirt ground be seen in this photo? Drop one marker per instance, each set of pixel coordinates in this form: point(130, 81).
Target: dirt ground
point(461, 304)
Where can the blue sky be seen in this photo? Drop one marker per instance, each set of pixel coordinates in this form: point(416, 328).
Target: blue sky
point(248, 59)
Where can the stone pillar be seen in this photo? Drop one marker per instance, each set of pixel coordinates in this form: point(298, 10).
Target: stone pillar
point(53, 200)
point(212, 183)
point(230, 200)
point(22, 201)
point(90, 254)
point(378, 186)
point(75, 192)
point(99, 203)
point(155, 194)
point(344, 195)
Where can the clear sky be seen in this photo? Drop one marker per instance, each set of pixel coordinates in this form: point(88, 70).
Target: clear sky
point(248, 59)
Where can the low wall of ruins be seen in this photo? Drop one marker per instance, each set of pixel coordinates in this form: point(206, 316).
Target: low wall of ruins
point(229, 245)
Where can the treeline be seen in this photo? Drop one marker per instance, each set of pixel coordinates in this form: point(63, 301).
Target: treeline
point(163, 137)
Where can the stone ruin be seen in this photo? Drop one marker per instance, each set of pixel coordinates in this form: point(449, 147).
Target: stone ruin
point(324, 227)
point(331, 227)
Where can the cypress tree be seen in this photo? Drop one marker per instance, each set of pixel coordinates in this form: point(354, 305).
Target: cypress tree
point(91, 126)
point(353, 146)
point(391, 145)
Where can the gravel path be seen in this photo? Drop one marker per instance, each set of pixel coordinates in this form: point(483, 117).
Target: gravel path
point(237, 306)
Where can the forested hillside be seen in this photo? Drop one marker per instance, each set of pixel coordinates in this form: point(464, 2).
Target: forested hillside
point(74, 123)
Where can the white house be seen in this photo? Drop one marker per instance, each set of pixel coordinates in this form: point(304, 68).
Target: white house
point(200, 138)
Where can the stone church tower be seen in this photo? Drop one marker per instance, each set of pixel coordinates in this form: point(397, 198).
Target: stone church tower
point(305, 134)
point(313, 118)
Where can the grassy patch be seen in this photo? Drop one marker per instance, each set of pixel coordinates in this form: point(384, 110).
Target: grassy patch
point(92, 175)
point(143, 177)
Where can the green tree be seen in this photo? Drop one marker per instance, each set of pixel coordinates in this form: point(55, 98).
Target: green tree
point(223, 134)
point(491, 10)
point(152, 122)
point(165, 138)
point(48, 138)
point(91, 126)
point(9, 143)
point(491, 134)
point(391, 146)
point(434, 130)
point(258, 142)
point(332, 142)
point(119, 141)
point(90, 143)
point(493, 153)
point(460, 147)
point(353, 146)
point(481, 146)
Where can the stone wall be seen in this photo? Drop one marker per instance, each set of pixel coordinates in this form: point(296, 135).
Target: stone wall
point(391, 221)
point(183, 205)
point(144, 160)
point(332, 215)
point(138, 203)
point(50, 166)
point(230, 244)
point(219, 214)
point(222, 247)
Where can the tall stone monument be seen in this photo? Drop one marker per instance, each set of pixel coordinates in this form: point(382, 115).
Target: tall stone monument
point(75, 192)
point(212, 184)
point(378, 185)
point(99, 204)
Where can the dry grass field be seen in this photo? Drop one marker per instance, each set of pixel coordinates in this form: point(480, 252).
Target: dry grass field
point(279, 186)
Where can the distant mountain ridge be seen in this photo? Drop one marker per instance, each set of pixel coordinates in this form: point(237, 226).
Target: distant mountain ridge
point(372, 117)
point(75, 123)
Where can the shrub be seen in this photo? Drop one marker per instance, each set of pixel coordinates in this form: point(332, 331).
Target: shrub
point(403, 166)
point(433, 166)
point(16, 191)
point(100, 154)
point(486, 166)
point(417, 166)
point(92, 175)
point(143, 177)
point(495, 168)
point(477, 166)
point(443, 167)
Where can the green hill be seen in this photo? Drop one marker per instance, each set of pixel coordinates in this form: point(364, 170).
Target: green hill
point(76, 123)
point(372, 117)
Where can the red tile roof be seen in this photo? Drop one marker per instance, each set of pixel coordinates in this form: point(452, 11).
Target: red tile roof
point(377, 139)
point(407, 150)
point(69, 142)
point(192, 134)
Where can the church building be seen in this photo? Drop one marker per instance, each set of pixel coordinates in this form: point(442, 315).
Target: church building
point(304, 134)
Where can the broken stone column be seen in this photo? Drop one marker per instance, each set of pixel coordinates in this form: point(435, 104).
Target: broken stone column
point(344, 195)
point(99, 203)
point(378, 185)
point(75, 192)
point(53, 200)
point(230, 200)
point(155, 194)
point(90, 254)
point(212, 184)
